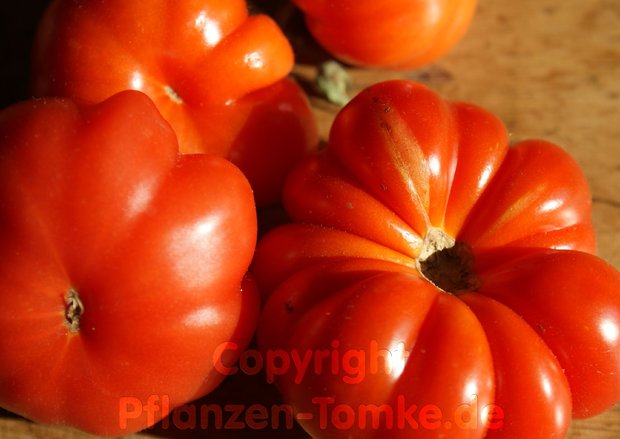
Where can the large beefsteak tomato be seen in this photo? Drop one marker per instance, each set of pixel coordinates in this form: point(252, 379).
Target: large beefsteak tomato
point(216, 74)
point(122, 264)
point(389, 33)
point(437, 282)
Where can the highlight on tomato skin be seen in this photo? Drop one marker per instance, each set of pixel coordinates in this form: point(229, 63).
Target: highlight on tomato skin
point(217, 74)
point(123, 264)
point(421, 240)
point(393, 34)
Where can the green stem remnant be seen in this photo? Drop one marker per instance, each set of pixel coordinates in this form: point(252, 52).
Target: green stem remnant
point(447, 264)
point(334, 82)
point(73, 311)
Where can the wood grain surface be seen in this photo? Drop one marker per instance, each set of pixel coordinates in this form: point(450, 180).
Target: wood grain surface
point(549, 68)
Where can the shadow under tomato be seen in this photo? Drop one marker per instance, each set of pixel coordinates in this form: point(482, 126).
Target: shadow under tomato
point(18, 23)
point(243, 405)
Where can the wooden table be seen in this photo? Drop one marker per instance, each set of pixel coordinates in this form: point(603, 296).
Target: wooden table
point(550, 69)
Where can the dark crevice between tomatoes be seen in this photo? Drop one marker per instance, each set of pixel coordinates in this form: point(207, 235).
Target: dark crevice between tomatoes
point(73, 311)
point(446, 263)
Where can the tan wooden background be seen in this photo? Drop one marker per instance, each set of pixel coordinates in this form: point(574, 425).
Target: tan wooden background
point(550, 69)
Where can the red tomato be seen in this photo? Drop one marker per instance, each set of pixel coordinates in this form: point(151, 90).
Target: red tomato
point(121, 264)
point(438, 281)
point(215, 73)
point(389, 33)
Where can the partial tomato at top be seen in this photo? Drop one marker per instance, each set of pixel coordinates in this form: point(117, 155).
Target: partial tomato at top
point(217, 74)
point(397, 34)
point(122, 265)
point(436, 281)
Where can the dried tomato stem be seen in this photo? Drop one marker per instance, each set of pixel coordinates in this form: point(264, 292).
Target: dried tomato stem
point(73, 311)
point(446, 263)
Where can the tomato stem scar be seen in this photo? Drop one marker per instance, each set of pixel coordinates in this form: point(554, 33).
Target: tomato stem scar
point(173, 95)
point(447, 263)
point(73, 311)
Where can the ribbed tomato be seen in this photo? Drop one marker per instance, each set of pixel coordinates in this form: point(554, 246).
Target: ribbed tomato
point(437, 281)
point(388, 33)
point(217, 74)
point(122, 264)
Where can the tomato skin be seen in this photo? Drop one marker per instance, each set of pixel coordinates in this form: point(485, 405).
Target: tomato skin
point(515, 346)
point(440, 326)
point(215, 73)
point(279, 130)
point(567, 295)
point(543, 314)
point(97, 200)
point(397, 34)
